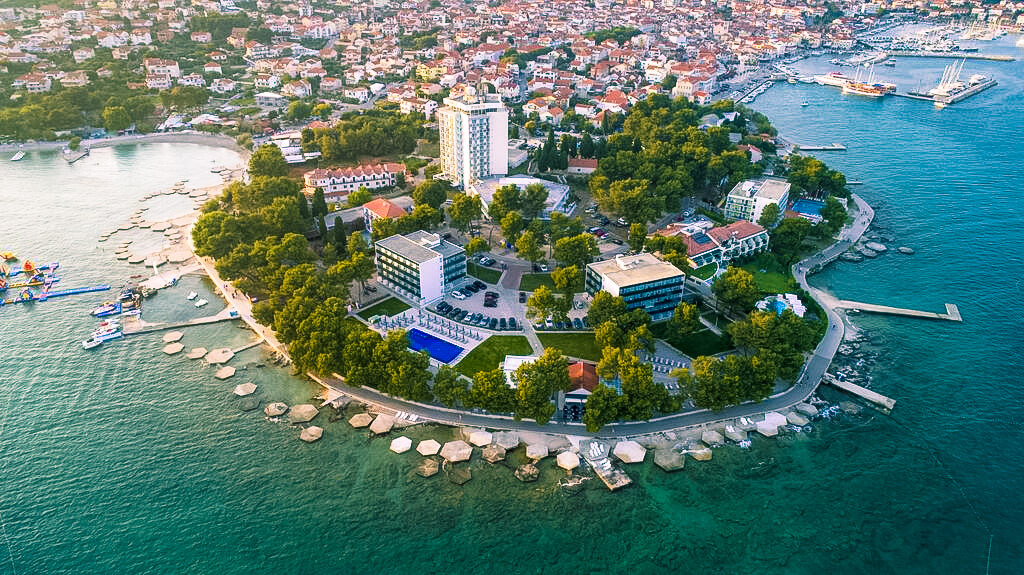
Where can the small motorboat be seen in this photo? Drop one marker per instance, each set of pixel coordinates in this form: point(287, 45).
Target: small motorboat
point(107, 324)
point(201, 303)
point(91, 343)
point(107, 335)
point(192, 295)
point(805, 103)
point(18, 156)
point(107, 308)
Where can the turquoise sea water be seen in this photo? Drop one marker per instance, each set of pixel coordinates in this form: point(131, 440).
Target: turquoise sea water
point(123, 460)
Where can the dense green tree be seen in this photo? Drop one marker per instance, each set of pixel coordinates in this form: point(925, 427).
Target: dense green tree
point(769, 215)
point(528, 247)
point(787, 239)
point(511, 225)
point(537, 382)
point(359, 197)
point(491, 392)
point(449, 387)
point(637, 236)
point(778, 339)
point(298, 110)
point(576, 251)
point(319, 207)
point(465, 210)
point(602, 408)
point(587, 146)
point(562, 226)
point(736, 289)
point(431, 192)
point(116, 118)
point(532, 201)
point(685, 319)
point(476, 246)
point(505, 199)
point(568, 281)
point(542, 303)
point(605, 307)
point(268, 160)
point(834, 215)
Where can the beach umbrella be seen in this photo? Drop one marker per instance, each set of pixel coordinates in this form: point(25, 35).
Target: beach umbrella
point(428, 447)
point(401, 444)
point(311, 434)
point(629, 452)
point(455, 451)
point(568, 460)
point(302, 413)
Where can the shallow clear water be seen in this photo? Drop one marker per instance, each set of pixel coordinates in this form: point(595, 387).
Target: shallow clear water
point(125, 460)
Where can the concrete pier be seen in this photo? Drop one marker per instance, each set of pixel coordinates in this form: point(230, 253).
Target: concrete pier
point(884, 404)
point(830, 147)
point(224, 315)
point(952, 312)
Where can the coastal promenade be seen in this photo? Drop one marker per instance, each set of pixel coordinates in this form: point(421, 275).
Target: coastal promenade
point(805, 385)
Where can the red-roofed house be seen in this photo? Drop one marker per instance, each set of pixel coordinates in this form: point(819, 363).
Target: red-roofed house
point(720, 244)
point(582, 165)
point(380, 208)
point(583, 377)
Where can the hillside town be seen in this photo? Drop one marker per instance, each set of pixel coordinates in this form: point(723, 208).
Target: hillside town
point(239, 65)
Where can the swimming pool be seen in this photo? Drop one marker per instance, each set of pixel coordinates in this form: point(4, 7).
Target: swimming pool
point(808, 207)
point(438, 348)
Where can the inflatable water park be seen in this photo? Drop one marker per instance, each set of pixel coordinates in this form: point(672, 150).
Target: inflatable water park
point(31, 283)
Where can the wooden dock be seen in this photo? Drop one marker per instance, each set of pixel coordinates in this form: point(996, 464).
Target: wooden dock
point(952, 312)
point(883, 403)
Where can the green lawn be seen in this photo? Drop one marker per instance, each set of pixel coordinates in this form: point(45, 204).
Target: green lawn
point(581, 345)
point(484, 273)
point(773, 279)
point(704, 272)
point(489, 354)
point(388, 307)
point(531, 282)
point(703, 342)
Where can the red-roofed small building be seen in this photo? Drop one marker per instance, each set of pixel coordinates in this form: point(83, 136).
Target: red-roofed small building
point(584, 379)
point(582, 165)
point(720, 244)
point(380, 208)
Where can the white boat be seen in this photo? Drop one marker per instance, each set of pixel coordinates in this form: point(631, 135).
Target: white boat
point(805, 103)
point(108, 335)
point(201, 303)
point(17, 156)
point(91, 343)
point(192, 295)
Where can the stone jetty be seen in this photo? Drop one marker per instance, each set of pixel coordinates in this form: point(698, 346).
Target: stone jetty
point(493, 454)
point(480, 438)
point(382, 424)
point(567, 460)
point(276, 409)
point(173, 336)
point(303, 413)
point(245, 389)
point(225, 372)
point(428, 447)
point(311, 434)
point(173, 348)
point(361, 420)
point(401, 444)
point(712, 437)
point(537, 451)
point(220, 355)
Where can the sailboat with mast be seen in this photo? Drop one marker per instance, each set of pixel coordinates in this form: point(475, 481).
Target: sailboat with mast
point(868, 87)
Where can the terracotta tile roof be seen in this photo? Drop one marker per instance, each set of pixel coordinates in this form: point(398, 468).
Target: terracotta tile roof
point(384, 209)
point(583, 375)
point(742, 229)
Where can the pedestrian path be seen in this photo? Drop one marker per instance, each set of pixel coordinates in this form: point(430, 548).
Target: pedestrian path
point(531, 336)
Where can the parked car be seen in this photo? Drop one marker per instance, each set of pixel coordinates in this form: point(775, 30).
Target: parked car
point(486, 261)
point(503, 323)
point(577, 323)
point(462, 315)
point(621, 222)
point(522, 297)
point(594, 229)
point(616, 241)
point(471, 287)
point(457, 294)
point(512, 324)
point(491, 303)
point(548, 323)
point(444, 307)
point(491, 294)
point(494, 323)
point(538, 324)
point(603, 220)
point(543, 267)
point(482, 320)
point(480, 285)
point(452, 313)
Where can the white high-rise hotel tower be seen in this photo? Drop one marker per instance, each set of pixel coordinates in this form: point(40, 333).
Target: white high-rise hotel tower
point(474, 137)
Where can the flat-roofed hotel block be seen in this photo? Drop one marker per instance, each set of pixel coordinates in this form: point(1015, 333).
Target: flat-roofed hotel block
point(642, 280)
point(420, 265)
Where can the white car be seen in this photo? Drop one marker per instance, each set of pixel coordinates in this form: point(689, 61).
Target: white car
point(457, 294)
point(543, 267)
